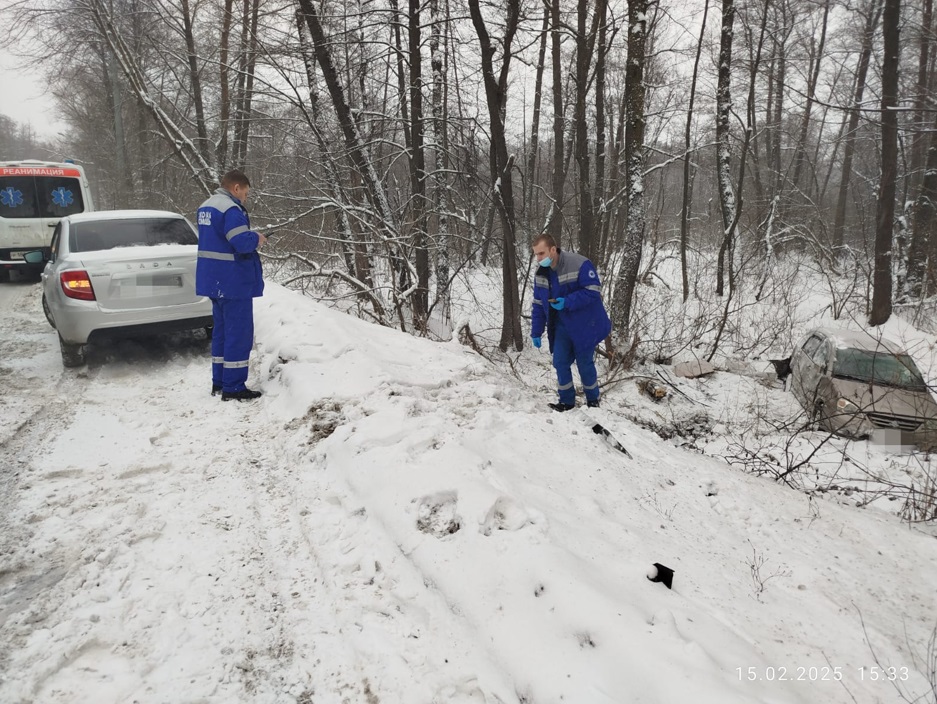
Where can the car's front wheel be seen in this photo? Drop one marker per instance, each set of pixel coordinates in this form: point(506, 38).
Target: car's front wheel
point(818, 415)
point(72, 355)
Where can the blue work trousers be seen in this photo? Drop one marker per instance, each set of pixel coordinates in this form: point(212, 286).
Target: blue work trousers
point(564, 353)
point(231, 341)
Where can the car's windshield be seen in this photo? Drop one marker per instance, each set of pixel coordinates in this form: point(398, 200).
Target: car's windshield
point(879, 367)
point(108, 234)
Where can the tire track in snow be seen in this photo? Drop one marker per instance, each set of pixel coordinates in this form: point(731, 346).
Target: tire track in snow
point(30, 411)
point(346, 591)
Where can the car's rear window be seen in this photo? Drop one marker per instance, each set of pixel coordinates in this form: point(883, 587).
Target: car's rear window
point(107, 234)
point(39, 196)
point(879, 367)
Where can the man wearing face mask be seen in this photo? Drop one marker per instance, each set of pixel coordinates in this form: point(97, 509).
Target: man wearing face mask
point(568, 304)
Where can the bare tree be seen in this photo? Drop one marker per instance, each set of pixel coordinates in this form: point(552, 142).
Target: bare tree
point(882, 278)
point(923, 226)
point(245, 82)
point(685, 208)
point(723, 149)
point(224, 100)
point(203, 172)
point(188, 19)
point(585, 47)
point(555, 218)
point(418, 167)
point(872, 17)
point(501, 164)
point(635, 91)
point(402, 269)
point(817, 53)
point(440, 131)
point(919, 281)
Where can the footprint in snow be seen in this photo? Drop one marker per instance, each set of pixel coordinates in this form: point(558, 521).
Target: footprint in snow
point(436, 514)
point(506, 514)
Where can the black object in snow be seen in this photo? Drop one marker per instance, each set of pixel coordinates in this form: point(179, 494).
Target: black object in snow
point(664, 574)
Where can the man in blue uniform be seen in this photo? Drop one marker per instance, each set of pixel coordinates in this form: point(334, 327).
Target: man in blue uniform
point(229, 273)
point(568, 303)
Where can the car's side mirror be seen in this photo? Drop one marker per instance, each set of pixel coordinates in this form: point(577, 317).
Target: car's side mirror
point(36, 257)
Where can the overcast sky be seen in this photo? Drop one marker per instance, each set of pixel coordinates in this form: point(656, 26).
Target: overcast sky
point(23, 97)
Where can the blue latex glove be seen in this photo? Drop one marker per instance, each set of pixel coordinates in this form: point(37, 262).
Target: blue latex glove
point(558, 304)
point(536, 342)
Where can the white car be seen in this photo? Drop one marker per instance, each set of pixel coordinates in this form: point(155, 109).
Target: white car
point(120, 273)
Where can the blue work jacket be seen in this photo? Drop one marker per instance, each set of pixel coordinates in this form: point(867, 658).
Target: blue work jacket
point(583, 315)
point(228, 263)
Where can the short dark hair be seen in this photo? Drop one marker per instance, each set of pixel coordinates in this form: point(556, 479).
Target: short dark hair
point(235, 177)
point(547, 239)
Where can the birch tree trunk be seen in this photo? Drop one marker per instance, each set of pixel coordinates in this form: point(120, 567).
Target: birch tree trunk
point(723, 151)
point(418, 168)
point(919, 136)
point(923, 226)
point(440, 129)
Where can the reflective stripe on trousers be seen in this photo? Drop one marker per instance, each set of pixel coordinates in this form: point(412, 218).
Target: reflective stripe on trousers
point(231, 342)
point(564, 354)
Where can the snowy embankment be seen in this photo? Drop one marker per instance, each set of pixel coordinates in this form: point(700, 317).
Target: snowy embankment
point(399, 521)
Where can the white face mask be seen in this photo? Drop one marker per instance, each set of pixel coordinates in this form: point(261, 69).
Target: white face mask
point(546, 261)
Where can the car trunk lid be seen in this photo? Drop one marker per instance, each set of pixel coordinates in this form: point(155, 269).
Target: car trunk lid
point(126, 278)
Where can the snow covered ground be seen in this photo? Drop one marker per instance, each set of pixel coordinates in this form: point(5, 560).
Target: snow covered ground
point(401, 521)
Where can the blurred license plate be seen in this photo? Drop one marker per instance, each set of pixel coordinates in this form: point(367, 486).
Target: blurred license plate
point(173, 280)
point(17, 255)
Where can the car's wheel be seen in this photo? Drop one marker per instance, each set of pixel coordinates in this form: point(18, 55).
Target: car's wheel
point(4, 275)
point(47, 311)
point(72, 355)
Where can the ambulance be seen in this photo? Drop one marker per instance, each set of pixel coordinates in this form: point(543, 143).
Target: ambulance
point(34, 195)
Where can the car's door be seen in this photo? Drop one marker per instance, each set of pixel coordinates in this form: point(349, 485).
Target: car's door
point(803, 370)
point(48, 272)
point(824, 401)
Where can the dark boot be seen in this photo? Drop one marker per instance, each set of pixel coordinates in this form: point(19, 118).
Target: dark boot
point(593, 403)
point(561, 407)
point(215, 389)
point(243, 395)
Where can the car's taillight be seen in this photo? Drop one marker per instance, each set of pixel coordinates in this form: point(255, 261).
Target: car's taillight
point(76, 284)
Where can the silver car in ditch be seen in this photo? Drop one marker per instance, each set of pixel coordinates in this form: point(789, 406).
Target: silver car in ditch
point(857, 385)
point(120, 273)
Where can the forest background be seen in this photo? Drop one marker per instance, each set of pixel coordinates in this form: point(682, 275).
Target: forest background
point(693, 151)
